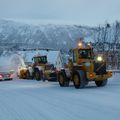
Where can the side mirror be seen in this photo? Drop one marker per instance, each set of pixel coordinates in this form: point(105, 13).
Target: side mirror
point(32, 59)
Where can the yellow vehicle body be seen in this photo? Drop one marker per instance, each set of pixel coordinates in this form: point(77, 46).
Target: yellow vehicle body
point(23, 73)
point(90, 74)
point(93, 77)
point(83, 68)
point(46, 73)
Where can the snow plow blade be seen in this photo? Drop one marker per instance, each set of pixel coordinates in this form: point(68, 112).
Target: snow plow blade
point(93, 76)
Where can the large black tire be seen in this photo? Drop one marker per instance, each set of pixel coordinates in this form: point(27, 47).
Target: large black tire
point(101, 83)
point(37, 75)
point(63, 80)
point(78, 82)
point(28, 75)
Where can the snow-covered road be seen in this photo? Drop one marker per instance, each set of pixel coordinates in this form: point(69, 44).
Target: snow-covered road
point(34, 100)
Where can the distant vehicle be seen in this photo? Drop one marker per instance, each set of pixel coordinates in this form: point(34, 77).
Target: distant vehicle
point(5, 76)
point(39, 70)
point(42, 70)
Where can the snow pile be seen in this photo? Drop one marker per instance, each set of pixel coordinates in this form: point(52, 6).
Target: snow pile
point(12, 62)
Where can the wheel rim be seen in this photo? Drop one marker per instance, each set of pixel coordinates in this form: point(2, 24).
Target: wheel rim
point(76, 80)
point(61, 79)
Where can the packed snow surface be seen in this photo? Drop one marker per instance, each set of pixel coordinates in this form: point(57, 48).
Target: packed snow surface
point(37, 100)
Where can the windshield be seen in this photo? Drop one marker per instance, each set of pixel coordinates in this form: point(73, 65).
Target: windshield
point(85, 53)
point(40, 59)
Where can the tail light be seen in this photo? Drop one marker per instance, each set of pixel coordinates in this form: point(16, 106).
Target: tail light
point(1, 76)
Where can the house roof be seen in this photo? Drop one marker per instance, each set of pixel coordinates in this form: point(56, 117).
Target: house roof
point(51, 55)
point(28, 55)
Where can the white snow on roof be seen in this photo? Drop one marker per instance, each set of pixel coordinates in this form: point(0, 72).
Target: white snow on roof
point(28, 55)
point(52, 56)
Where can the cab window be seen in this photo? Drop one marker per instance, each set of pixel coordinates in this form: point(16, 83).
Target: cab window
point(85, 54)
point(42, 59)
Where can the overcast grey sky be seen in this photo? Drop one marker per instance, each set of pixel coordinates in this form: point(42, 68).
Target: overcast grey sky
point(87, 12)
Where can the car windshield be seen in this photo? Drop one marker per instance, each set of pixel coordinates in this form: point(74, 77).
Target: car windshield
point(85, 53)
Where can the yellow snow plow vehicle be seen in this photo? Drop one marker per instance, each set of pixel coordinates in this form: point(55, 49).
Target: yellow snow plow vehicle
point(42, 70)
point(39, 70)
point(22, 71)
point(84, 67)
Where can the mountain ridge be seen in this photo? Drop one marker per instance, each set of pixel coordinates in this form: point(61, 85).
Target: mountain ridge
point(49, 35)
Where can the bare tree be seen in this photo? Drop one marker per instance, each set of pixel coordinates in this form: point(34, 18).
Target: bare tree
point(115, 41)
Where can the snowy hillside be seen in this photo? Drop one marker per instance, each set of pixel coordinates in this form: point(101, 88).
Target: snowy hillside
point(47, 36)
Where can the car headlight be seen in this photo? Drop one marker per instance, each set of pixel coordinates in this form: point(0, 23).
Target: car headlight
point(99, 58)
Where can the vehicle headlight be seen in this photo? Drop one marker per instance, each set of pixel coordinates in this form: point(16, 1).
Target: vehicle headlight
point(80, 44)
point(24, 68)
point(99, 58)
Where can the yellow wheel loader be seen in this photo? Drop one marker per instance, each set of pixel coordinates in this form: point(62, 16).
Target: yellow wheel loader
point(84, 67)
point(39, 70)
point(42, 70)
